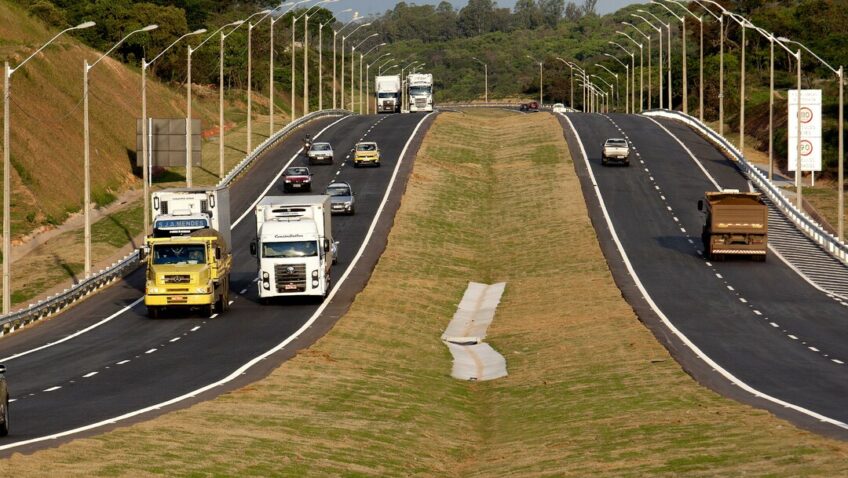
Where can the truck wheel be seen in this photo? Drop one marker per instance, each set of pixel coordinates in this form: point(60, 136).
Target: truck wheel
point(603, 161)
point(627, 162)
point(209, 310)
point(153, 311)
point(4, 428)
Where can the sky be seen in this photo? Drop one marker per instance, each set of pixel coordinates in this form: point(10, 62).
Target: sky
point(367, 7)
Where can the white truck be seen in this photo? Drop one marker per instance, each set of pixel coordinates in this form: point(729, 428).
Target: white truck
point(387, 89)
point(181, 211)
point(420, 88)
point(294, 246)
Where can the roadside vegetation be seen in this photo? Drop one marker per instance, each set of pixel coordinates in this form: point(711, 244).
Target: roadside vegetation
point(590, 392)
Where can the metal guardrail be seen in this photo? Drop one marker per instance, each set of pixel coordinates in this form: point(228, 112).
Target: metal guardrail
point(812, 229)
point(59, 301)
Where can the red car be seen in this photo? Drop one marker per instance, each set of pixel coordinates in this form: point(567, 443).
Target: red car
point(297, 178)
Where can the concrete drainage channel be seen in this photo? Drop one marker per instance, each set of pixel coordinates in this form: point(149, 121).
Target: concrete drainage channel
point(472, 358)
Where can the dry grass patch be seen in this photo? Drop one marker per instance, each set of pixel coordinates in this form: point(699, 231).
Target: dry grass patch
point(493, 198)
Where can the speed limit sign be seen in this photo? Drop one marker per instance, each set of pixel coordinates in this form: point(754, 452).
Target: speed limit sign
point(807, 118)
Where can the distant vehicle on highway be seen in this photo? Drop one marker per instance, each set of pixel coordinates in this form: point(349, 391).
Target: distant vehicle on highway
point(617, 150)
point(559, 108)
point(4, 403)
point(320, 152)
point(297, 178)
point(366, 154)
point(342, 198)
point(529, 107)
point(735, 224)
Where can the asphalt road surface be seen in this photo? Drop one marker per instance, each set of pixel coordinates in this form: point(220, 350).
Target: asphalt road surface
point(105, 359)
point(757, 332)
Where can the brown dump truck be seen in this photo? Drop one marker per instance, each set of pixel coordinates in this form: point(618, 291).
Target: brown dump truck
point(736, 224)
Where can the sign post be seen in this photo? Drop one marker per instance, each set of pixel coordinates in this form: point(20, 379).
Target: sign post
point(808, 112)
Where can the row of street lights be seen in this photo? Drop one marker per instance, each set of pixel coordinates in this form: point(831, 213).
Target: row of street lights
point(223, 32)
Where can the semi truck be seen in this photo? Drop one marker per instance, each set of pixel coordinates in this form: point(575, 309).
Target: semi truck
point(294, 246)
point(420, 90)
point(189, 255)
point(736, 224)
point(387, 90)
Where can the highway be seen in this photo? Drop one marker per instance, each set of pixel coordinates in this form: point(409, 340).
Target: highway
point(756, 332)
point(104, 359)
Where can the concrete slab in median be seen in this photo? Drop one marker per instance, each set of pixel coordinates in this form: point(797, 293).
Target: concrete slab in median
point(473, 360)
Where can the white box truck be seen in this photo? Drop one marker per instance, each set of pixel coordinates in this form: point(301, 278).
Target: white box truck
point(294, 246)
point(387, 90)
point(181, 211)
point(420, 88)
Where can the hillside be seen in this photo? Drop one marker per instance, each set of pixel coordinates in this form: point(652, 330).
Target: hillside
point(47, 121)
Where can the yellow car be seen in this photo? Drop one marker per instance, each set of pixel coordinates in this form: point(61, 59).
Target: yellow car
point(366, 154)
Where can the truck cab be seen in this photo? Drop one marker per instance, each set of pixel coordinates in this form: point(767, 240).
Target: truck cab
point(387, 90)
point(294, 246)
point(420, 88)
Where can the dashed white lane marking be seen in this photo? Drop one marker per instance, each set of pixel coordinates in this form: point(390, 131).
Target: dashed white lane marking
point(175, 339)
point(230, 302)
point(195, 328)
point(243, 291)
point(675, 219)
point(669, 208)
point(757, 312)
point(150, 351)
point(730, 287)
point(792, 337)
point(213, 316)
point(774, 325)
point(741, 299)
point(122, 362)
point(814, 349)
point(90, 374)
point(838, 361)
point(13, 400)
point(57, 387)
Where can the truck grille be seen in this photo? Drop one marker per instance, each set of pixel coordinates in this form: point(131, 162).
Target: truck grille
point(420, 102)
point(177, 279)
point(290, 277)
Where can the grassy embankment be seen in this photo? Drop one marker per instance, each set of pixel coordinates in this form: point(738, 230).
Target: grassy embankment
point(590, 392)
point(47, 148)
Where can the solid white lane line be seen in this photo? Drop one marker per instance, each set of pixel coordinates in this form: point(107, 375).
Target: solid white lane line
point(90, 374)
point(53, 388)
point(75, 334)
point(239, 371)
point(683, 338)
point(175, 339)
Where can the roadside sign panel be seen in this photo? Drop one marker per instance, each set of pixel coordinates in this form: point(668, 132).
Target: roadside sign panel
point(810, 116)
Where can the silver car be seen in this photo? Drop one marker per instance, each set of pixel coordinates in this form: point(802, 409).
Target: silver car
point(342, 198)
point(320, 153)
point(4, 403)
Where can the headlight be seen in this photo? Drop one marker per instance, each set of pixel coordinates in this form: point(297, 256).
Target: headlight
point(288, 180)
point(265, 275)
point(347, 204)
point(314, 283)
point(202, 290)
point(152, 290)
point(315, 274)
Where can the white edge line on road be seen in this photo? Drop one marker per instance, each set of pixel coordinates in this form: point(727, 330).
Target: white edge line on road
point(116, 314)
point(238, 372)
point(75, 334)
point(718, 368)
point(282, 170)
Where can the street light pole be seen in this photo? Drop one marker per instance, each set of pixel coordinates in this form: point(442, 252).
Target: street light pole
point(630, 71)
point(221, 98)
point(633, 80)
point(684, 79)
point(701, 57)
point(250, 27)
point(627, 78)
point(7, 165)
point(659, 72)
point(641, 69)
point(668, 62)
point(720, 19)
point(617, 87)
point(353, 69)
point(87, 144)
point(743, 23)
point(361, 60)
point(335, 34)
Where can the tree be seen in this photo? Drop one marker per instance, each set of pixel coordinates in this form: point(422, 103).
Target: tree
point(572, 12)
point(476, 17)
point(527, 15)
point(589, 7)
point(552, 11)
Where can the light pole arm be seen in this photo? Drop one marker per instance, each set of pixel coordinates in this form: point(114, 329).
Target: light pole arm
point(717, 17)
point(655, 2)
point(145, 29)
point(197, 32)
point(637, 29)
point(215, 33)
point(81, 26)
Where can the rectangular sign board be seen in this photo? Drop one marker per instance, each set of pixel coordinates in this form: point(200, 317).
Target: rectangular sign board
point(811, 130)
point(166, 142)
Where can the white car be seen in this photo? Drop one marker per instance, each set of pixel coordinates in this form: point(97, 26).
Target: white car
point(320, 152)
point(559, 108)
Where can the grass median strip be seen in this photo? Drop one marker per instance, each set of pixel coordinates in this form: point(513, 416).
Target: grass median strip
point(493, 197)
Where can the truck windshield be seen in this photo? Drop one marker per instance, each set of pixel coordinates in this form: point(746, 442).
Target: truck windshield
point(387, 95)
point(419, 90)
point(179, 254)
point(290, 249)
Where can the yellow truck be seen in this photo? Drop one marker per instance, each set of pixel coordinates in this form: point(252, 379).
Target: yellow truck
point(186, 272)
point(736, 224)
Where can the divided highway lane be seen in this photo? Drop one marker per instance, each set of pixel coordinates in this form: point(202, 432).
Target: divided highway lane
point(761, 323)
point(132, 362)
